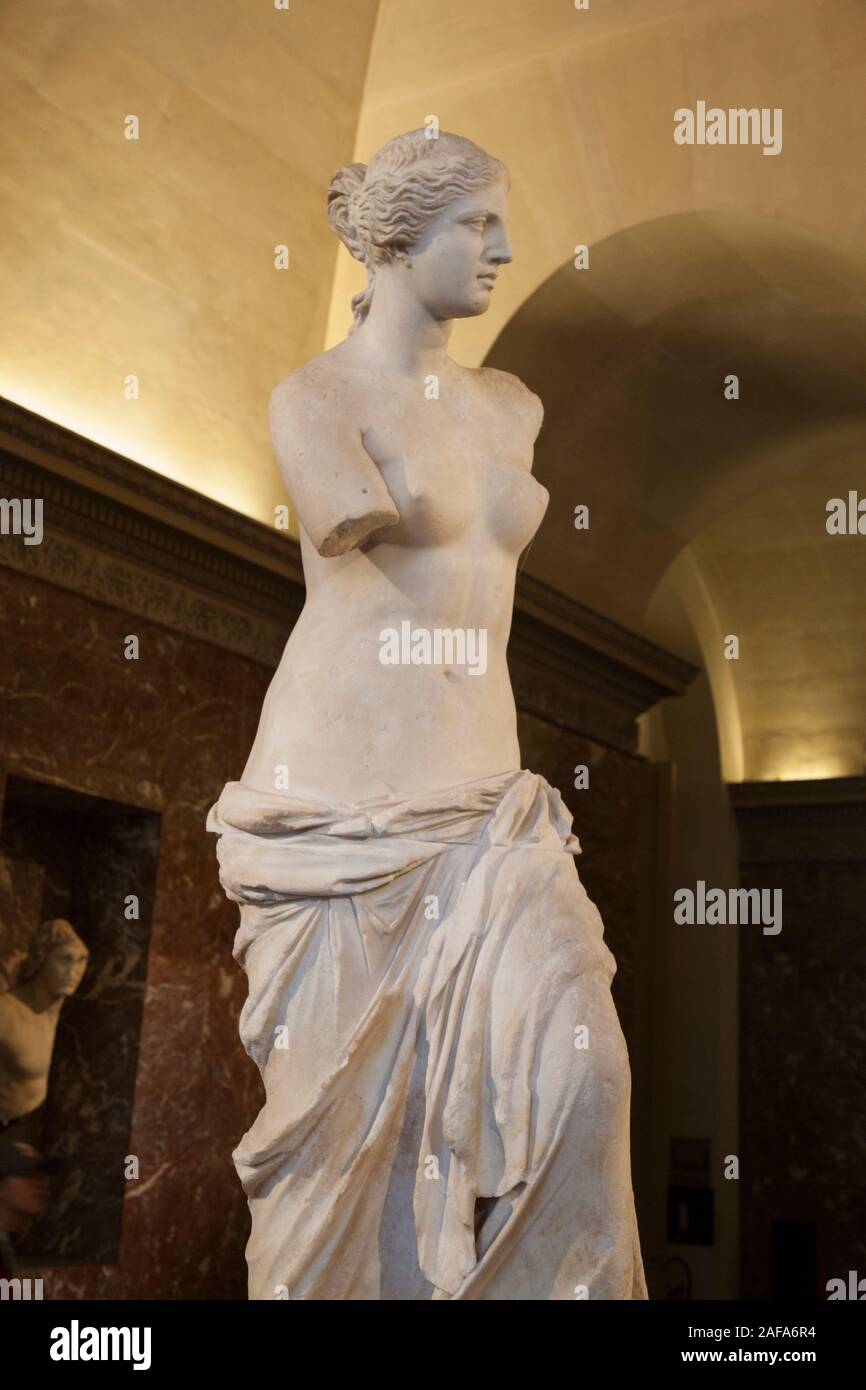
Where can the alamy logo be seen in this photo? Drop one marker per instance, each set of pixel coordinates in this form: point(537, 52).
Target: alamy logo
point(855, 1290)
point(847, 518)
point(737, 126)
point(438, 646)
point(75, 1343)
point(729, 907)
point(20, 1289)
point(22, 517)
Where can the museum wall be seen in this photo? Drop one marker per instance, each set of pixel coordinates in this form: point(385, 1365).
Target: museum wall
point(802, 993)
point(160, 734)
point(758, 1033)
point(137, 749)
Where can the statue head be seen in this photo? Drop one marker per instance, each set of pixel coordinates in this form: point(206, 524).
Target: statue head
point(432, 207)
point(57, 958)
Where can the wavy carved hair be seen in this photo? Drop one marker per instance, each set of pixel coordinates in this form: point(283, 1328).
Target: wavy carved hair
point(380, 209)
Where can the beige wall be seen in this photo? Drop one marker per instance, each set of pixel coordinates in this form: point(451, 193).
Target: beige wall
point(156, 257)
point(694, 988)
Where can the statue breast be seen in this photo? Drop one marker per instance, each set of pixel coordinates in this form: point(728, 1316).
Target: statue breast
point(457, 478)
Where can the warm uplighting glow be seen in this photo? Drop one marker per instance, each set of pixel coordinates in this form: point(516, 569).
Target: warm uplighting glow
point(804, 769)
point(238, 494)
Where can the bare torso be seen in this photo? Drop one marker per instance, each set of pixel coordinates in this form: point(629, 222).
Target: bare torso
point(337, 723)
point(26, 1047)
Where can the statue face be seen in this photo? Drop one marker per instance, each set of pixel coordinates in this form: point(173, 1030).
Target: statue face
point(64, 968)
point(455, 263)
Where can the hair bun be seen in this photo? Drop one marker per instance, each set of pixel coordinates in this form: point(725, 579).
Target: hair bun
point(343, 190)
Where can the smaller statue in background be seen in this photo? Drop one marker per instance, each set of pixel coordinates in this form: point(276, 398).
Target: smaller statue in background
point(29, 1013)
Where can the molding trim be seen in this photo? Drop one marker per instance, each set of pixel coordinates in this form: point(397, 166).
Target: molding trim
point(823, 791)
point(31, 437)
point(191, 573)
point(122, 534)
point(575, 667)
point(662, 671)
point(821, 821)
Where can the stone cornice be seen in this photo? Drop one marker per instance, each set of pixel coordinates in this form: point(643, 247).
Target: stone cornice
point(661, 671)
point(821, 821)
point(28, 436)
point(791, 795)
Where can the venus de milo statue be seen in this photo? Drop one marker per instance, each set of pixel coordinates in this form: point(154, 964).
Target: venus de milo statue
point(447, 1111)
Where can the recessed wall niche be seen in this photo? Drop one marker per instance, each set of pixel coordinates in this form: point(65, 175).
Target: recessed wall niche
point(90, 854)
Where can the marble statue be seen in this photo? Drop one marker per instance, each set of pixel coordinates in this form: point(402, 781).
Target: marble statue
point(30, 1012)
point(447, 1084)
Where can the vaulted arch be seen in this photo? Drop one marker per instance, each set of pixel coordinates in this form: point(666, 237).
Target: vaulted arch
point(631, 357)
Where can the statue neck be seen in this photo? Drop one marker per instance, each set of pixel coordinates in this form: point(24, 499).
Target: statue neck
point(38, 997)
point(400, 335)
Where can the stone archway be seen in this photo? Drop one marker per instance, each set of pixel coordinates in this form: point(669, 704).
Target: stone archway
point(631, 358)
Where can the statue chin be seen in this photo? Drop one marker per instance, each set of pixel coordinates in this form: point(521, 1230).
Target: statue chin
point(476, 306)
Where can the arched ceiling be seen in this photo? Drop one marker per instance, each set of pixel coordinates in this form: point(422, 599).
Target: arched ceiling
point(630, 358)
point(795, 597)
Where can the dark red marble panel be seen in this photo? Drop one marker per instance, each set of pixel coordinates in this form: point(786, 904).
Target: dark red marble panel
point(165, 732)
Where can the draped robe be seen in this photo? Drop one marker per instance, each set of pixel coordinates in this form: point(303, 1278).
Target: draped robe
point(447, 1084)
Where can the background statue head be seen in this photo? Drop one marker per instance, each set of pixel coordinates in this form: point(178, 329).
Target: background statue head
point(390, 212)
point(57, 958)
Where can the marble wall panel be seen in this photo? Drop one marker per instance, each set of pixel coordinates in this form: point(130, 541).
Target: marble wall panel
point(163, 733)
point(803, 1041)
